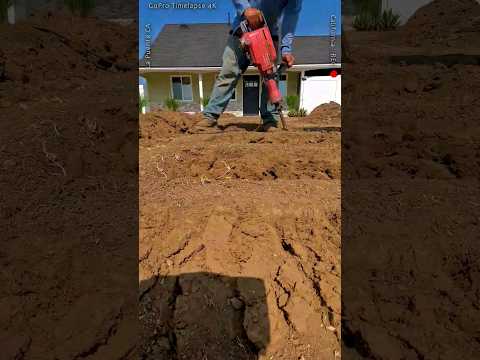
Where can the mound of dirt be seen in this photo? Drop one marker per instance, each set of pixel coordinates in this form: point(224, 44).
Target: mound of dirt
point(165, 123)
point(331, 108)
point(444, 21)
point(325, 115)
point(68, 157)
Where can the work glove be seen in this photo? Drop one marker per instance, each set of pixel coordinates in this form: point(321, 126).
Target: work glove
point(288, 59)
point(254, 17)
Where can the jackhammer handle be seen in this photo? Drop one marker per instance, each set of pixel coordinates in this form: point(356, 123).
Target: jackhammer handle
point(281, 69)
point(246, 27)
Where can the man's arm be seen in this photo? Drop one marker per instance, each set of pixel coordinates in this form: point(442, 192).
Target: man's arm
point(289, 24)
point(241, 6)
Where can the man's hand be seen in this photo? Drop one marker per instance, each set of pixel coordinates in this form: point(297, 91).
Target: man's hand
point(288, 59)
point(254, 18)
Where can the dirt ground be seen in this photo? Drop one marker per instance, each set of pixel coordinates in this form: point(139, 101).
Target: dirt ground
point(240, 239)
point(410, 170)
point(68, 173)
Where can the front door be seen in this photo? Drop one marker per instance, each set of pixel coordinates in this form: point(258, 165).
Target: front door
point(251, 94)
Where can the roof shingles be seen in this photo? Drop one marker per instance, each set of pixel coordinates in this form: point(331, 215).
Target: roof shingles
point(202, 45)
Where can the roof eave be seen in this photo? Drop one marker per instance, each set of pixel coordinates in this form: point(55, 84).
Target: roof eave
point(204, 69)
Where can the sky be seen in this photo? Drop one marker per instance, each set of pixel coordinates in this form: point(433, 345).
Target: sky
point(314, 18)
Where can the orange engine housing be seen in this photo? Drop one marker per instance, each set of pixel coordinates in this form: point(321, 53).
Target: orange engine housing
point(260, 46)
point(263, 55)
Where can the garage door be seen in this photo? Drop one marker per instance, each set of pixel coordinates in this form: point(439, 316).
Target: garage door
point(319, 90)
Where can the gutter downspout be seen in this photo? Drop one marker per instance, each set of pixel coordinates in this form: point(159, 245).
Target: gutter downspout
point(302, 75)
point(200, 89)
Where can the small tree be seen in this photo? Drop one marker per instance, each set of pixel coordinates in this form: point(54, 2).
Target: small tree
point(83, 7)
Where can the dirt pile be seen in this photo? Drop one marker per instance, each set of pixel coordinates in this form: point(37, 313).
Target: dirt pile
point(444, 22)
point(165, 123)
point(326, 114)
point(68, 150)
point(244, 228)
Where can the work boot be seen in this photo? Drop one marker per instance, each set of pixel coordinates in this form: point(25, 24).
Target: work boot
point(205, 124)
point(268, 127)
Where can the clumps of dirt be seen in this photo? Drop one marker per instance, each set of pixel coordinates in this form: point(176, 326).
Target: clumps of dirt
point(444, 22)
point(242, 228)
point(68, 157)
point(50, 47)
point(165, 123)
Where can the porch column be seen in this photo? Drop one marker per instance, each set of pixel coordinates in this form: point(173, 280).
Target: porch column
point(200, 89)
point(302, 74)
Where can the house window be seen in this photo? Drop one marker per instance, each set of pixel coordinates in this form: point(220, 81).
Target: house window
point(182, 88)
point(283, 85)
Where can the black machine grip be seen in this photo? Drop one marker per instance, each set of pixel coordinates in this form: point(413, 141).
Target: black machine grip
point(246, 28)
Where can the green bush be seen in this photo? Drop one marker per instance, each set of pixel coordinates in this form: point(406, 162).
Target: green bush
point(83, 7)
point(385, 21)
point(389, 20)
point(293, 102)
point(297, 113)
point(365, 22)
point(142, 103)
point(205, 101)
point(172, 104)
point(302, 112)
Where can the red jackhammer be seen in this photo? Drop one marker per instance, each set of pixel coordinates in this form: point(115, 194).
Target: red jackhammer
point(262, 53)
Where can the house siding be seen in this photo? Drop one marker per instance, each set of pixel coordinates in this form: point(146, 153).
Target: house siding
point(159, 90)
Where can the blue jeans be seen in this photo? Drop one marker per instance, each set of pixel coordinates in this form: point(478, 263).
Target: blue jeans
point(235, 63)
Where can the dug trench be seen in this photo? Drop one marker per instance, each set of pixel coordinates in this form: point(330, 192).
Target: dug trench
point(239, 240)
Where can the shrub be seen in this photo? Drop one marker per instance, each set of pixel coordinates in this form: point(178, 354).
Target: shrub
point(172, 104)
point(302, 112)
point(293, 102)
point(385, 21)
point(365, 22)
point(389, 20)
point(142, 103)
point(205, 101)
point(83, 7)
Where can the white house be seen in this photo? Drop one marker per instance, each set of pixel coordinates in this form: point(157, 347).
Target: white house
point(184, 60)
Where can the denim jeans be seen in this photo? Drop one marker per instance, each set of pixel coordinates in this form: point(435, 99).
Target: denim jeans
point(235, 63)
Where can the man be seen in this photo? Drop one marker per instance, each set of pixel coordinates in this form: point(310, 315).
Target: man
point(235, 61)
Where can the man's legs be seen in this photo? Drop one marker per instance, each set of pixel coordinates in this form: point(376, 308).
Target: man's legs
point(268, 112)
point(234, 65)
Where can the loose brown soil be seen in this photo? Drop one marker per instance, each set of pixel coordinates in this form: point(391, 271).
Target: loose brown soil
point(410, 170)
point(231, 211)
point(68, 174)
point(445, 22)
